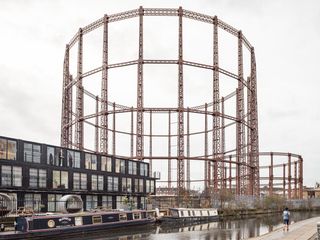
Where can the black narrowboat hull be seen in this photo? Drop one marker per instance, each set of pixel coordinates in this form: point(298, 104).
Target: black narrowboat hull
point(74, 230)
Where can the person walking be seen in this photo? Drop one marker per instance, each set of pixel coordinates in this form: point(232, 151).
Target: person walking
point(286, 219)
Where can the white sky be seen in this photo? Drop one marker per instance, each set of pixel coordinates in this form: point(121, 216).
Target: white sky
point(285, 35)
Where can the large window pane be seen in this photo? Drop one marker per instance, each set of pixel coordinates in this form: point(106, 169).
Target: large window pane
point(27, 152)
point(64, 179)
point(55, 179)
point(107, 202)
point(33, 180)
point(73, 159)
point(110, 184)
point(50, 155)
point(36, 153)
point(83, 181)
point(3, 148)
point(12, 150)
point(94, 182)
point(117, 165)
point(32, 152)
point(123, 166)
point(76, 160)
point(100, 183)
point(6, 175)
point(8, 149)
point(42, 178)
point(106, 164)
point(76, 181)
point(17, 176)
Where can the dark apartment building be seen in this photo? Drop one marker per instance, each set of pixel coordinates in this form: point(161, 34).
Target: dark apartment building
point(37, 175)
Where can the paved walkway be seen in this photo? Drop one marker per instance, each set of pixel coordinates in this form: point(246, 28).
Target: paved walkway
point(302, 230)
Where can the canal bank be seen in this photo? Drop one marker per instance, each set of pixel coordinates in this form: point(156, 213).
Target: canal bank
point(302, 230)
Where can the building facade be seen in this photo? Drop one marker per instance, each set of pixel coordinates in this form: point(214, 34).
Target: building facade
point(37, 175)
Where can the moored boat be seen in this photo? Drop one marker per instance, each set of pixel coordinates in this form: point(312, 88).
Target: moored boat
point(70, 224)
point(190, 214)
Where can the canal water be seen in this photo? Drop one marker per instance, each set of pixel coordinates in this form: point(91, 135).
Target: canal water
point(227, 229)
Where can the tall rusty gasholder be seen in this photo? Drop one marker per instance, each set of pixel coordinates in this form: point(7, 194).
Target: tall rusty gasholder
point(236, 168)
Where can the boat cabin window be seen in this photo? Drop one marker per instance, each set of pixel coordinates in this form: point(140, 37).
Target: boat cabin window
point(204, 213)
point(197, 213)
point(151, 214)
point(122, 217)
point(136, 216)
point(212, 212)
point(186, 213)
point(78, 221)
point(96, 219)
point(174, 213)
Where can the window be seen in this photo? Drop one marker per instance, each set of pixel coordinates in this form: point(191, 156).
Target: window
point(138, 185)
point(31, 152)
point(79, 181)
point(120, 166)
point(152, 187)
point(60, 179)
point(126, 185)
point(78, 221)
point(55, 156)
point(73, 159)
point(94, 182)
point(91, 202)
point(97, 182)
point(132, 167)
point(37, 178)
point(107, 202)
point(113, 184)
point(143, 169)
point(32, 201)
point(53, 200)
point(96, 219)
point(8, 149)
point(147, 186)
point(106, 164)
point(11, 176)
point(91, 161)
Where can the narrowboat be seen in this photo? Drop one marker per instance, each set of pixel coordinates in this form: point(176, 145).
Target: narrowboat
point(38, 226)
point(190, 214)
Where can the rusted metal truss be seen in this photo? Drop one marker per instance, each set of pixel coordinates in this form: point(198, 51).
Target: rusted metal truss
point(235, 169)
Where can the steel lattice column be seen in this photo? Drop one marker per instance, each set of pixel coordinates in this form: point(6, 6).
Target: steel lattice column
point(131, 134)
point(216, 141)
point(180, 165)
point(289, 176)
point(223, 135)
point(241, 159)
point(139, 142)
point(79, 103)
point(207, 163)
point(300, 177)
point(104, 91)
point(169, 151)
point(97, 126)
point(254, 126)
point(188, 150)
point(70, 115)
point(150, 145)
point(65, 104)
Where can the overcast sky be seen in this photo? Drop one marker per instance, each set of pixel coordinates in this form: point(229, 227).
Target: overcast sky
point(285, 35)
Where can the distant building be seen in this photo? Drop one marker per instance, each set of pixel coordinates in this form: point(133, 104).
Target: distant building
point(37, 175)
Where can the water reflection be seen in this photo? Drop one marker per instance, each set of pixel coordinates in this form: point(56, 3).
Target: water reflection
point(229, 229)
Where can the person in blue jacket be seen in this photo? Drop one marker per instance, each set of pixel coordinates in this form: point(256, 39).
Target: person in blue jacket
point(286, 219)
